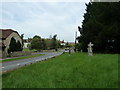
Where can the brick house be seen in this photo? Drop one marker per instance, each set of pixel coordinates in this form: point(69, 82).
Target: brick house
point(5, 38)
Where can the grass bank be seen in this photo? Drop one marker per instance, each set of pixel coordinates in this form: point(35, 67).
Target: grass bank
point(76, 71)
point(27, 49)
point(22, 57)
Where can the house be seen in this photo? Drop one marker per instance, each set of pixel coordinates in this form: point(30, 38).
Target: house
point(5, 39)
point(72, 43)
point(62, 43)
point(27, 42)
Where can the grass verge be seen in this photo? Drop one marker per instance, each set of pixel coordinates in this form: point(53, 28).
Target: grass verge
point(76, 71)
point(22, 57)
point(26, 49)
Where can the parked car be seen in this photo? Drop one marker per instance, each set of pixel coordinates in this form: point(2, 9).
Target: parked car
point(66, 50)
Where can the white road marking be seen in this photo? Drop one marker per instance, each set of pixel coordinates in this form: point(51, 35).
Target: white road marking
point(3, 67)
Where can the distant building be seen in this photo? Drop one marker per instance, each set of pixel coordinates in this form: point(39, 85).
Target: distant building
point(5, 39)
point(26, 42)
point(71, 43)
point(62, 43)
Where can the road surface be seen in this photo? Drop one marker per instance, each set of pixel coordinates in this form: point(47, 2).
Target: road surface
point(11, 65)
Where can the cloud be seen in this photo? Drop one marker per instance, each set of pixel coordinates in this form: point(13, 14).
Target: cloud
point(47, 0)
point(43, 18)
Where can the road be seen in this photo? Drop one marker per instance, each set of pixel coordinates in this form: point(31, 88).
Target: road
point(11, 65)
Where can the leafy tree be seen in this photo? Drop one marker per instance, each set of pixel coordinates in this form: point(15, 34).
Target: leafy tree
point(44, 44)
point(101, 26)
point(18, 46)
point(59, 45)
point(48, 43)
point(54, 42)
point(67, 45)
point(36, 43)
point(78, 46)
point(14, 46)
point(22, 36)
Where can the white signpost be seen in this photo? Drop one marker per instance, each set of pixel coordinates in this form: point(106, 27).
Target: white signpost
point(90, 53)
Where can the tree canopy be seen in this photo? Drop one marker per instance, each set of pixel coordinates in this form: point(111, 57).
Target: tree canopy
point(101, 26)
point(36, 43)
point(14, 45)
point(54, 42)
point(41, 44)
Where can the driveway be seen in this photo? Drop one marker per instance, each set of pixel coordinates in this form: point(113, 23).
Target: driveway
point(11, 65)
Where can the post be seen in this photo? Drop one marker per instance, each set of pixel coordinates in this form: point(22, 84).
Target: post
point(75, 40)
point(69, 51)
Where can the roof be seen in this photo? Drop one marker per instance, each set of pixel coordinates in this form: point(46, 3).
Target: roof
point(27, 40)
point(62, 41)
point(7, 32)
point(71, 43)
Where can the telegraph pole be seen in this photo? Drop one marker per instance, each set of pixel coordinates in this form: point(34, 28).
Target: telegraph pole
point(75, 40)
point(75, 37)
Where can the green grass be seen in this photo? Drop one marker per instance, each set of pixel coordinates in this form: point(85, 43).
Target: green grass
point(22, 57)
point(26, 49)
point(76, 71)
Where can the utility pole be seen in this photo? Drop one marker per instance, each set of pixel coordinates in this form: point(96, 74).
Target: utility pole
point(75, 37)
point(75, 40)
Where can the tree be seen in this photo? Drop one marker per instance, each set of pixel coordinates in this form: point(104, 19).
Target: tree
point(22, 36)
point(44, 44)
point(54, 42)
point(18, 46)
point(48, 43)
point(36, 43)
point(67, 45)
point(14, 46)
point(101, 26)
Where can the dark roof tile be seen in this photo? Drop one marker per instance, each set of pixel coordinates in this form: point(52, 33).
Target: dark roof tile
point(7, 32)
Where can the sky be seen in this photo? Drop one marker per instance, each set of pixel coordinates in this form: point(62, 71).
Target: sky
point(43, 18)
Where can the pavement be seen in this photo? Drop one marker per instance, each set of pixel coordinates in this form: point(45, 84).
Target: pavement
point(12, 65)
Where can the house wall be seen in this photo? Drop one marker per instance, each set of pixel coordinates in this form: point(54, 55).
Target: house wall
point(26, 45)
point(63, 43)
point(8, 39)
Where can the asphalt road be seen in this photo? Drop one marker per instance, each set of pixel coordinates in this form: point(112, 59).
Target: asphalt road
point(11, 65)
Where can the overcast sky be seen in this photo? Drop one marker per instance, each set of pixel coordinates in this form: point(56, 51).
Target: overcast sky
point(43, 18)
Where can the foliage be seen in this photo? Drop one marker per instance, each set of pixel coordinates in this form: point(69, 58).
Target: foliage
point(54, 42)
point(76, 71)
point(18, 46)
point(101, 26)
point(22, 36)
point(36, 43)
point(78, 46)
point(48, 43)
point(43, 44)
point(39, 43)
point(68, 45)
point(14, 45)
